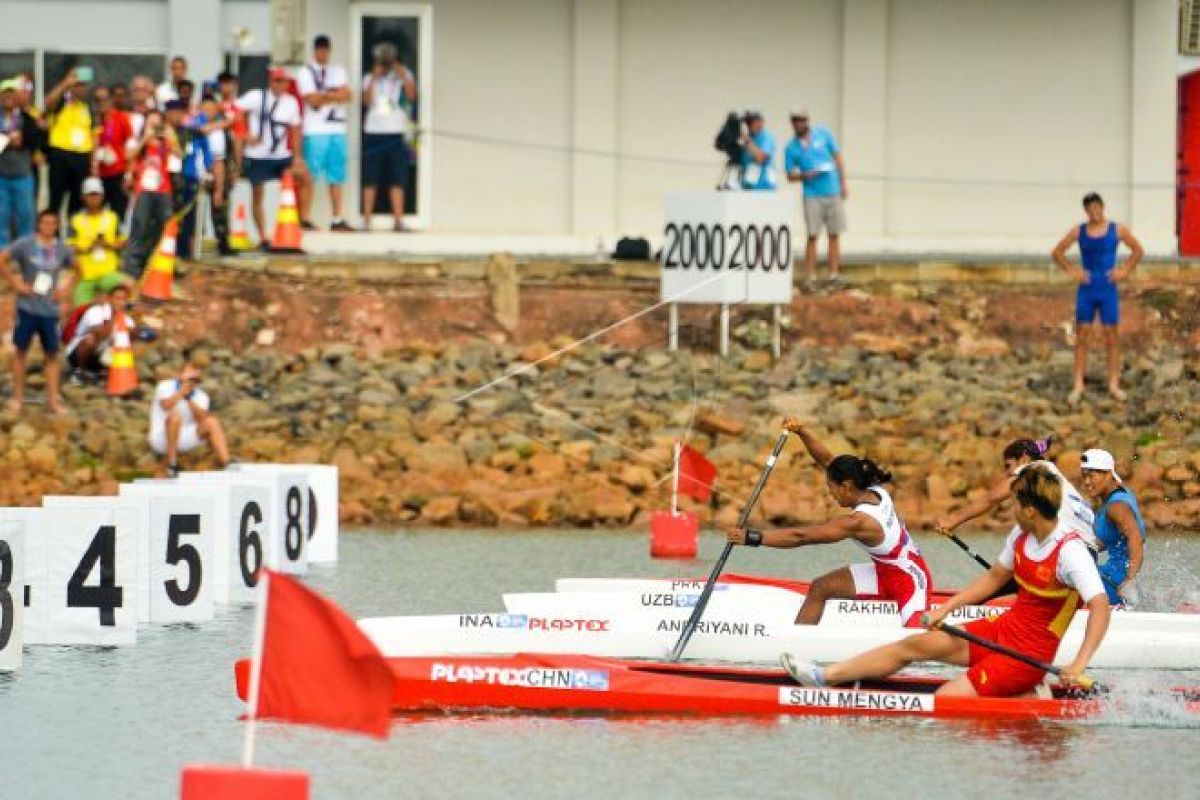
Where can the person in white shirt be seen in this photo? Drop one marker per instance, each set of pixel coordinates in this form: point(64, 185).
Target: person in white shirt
point(273, 118)
point(89, 346)
point(389, 92)
point(180, 418)
point(326, 91)
point(168, 90)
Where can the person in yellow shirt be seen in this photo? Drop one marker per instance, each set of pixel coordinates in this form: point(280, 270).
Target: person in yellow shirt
point(96, 242)
point(71, 140)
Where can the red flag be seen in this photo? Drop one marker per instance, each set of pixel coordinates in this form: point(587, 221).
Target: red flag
point(696, 474)
point(318, 667)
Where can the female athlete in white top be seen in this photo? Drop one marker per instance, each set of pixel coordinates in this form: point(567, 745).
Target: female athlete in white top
point(896, 570)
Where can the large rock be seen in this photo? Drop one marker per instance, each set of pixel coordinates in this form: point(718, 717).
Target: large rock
point(440, 510)
point(438, 456)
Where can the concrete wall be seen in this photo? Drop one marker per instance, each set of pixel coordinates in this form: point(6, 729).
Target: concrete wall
point(962, 121)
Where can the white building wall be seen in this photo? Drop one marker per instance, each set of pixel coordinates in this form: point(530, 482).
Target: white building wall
point(963, 121)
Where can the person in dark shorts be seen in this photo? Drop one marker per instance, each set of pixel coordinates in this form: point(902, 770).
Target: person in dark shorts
point(389, 93)
point(273, 138)
point(1097, 294)
point(42, 282)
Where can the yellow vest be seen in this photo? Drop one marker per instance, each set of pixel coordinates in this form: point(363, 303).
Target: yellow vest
point(86, 231)
point(71, 128)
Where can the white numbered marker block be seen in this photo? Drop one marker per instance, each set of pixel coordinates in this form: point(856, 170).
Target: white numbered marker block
point(244, 502)
point(288, 551)
point(33, 570)
point(12, 594)
point(181, 549)
point(84, 589)
point(321, 520)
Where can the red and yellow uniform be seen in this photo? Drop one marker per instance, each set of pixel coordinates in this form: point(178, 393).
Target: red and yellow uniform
point(1034, 625)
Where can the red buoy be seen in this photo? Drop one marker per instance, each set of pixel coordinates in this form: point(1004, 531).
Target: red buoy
point(674, 535)
point(214, 782)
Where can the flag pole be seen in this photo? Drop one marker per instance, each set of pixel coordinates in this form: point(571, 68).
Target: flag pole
point(675, 484)
point(260, 633)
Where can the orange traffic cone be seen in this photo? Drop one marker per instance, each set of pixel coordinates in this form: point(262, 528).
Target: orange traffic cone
point(122, 374)
point(160, 274)
point(287, 219)
point(239, 237)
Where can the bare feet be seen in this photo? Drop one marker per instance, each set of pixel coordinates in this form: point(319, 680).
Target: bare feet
point(1117, 393)
point(1075, 396)
point(56, 408)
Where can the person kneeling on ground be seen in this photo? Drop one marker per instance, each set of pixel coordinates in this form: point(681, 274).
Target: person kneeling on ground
point(179, 418)
point(92, 339)
point(1053, 570)
point(97, 242)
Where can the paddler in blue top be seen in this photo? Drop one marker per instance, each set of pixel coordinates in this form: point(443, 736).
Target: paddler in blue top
point(1120, 531)
point(758, 159)
point(1097, 294)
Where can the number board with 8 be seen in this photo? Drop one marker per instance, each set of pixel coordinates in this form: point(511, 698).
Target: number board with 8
point(321, 516)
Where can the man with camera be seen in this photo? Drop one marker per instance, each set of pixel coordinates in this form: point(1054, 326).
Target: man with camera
point(389, 96)
point(180, 418)
point(91, 341)
point(71, 138)
point(814, 158)
point(758, 156)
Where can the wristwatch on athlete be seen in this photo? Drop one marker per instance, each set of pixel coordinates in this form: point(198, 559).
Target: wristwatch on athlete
point(754, 537)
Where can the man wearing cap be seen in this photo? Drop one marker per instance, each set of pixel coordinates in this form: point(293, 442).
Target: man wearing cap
point(326, 91)
point(1120, 530)
point(95, 237)
point(389, 95)
point(813, 158)
point(71, 141)
point(273, 118)
point(758, 158)
point(41, 282)
point(19, 135)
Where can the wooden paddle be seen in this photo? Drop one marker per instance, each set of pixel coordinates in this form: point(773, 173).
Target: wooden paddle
point(690, 627)
point(1083, 682)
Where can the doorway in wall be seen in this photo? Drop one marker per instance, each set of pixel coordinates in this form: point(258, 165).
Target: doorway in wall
point(382, 162)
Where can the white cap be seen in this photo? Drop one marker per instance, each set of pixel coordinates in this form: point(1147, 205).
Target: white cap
point(93, 186)
point(1100, 461)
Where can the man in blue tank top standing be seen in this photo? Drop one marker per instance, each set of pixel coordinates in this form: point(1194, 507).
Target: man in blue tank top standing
point(1097, 294)
point(1120, 530)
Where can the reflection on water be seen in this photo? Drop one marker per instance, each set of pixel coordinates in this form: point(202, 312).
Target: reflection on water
point(120, 722)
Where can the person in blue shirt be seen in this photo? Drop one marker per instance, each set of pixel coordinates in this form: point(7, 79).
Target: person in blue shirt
point(1096, 296)
point(197, 166)
point(1120, 530)
point(814, 158)
point(758, 159)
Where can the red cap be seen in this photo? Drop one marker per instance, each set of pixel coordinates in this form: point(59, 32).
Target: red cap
point(280, 72)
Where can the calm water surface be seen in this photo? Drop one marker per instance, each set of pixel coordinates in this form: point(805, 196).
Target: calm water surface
point(120, 723)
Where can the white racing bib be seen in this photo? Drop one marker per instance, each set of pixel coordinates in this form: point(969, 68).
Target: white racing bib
point(43, 283)
point(151, 180)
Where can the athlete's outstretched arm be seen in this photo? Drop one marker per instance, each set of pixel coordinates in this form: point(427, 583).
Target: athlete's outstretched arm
point(999, 492)
point(848, 527)
point(974, 593)
point(819, 452)
point(1093, 635)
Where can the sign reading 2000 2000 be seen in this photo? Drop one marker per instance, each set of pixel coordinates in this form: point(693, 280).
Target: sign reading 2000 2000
point(727, 247)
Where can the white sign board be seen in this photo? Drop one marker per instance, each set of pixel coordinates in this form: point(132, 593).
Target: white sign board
point(12, 594)
point(246, 502)
point(727, 247)
point(287, 517)
point(81, 573)
point(180, 549)
point(321, 522)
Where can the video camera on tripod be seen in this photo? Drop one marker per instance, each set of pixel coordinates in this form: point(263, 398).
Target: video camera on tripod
point(730, 140)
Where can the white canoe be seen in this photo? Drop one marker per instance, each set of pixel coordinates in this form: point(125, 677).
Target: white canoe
point(718, 639)
point(772, 603)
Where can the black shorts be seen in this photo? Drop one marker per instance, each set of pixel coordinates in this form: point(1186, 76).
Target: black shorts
point(30, 325)
point(385, 159)
point(264, 170)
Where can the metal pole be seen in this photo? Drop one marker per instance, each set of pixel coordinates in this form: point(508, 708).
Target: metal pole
point(776, 331)
point(724, 346)
point(673, 327)
point(675, 484)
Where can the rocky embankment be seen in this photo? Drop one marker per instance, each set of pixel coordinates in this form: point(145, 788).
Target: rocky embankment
point(931, 384)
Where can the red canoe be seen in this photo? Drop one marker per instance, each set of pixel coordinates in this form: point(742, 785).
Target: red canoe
point(591, 685)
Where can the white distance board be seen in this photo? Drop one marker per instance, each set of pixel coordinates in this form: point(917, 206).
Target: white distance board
point(12, 594)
